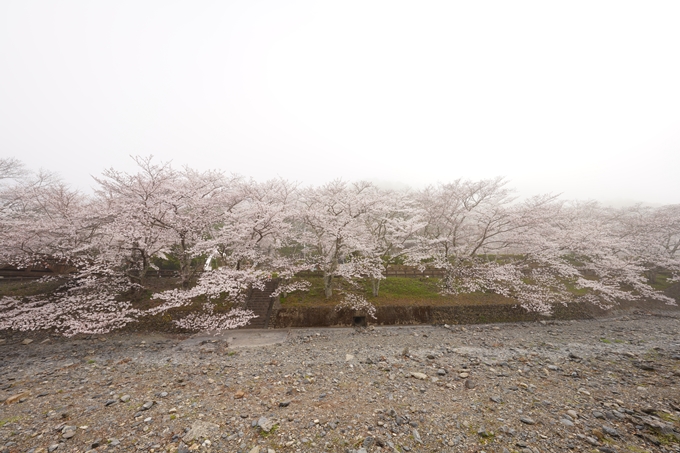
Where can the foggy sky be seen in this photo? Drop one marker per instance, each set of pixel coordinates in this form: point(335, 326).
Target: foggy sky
point(580, 98)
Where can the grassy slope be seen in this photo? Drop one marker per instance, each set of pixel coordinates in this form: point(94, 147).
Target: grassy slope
point(25, 288)
point(419, 291)
point(393, 291)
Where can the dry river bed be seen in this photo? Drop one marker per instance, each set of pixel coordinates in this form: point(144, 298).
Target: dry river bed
point(608, 385)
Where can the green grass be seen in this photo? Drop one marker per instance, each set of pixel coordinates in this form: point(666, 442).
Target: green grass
point(393, 291)
point(25, 288)
point(5, 421)
point(661, 282)
point(608, 341)
point(636, 449)
point(572, 289)
point(668, 417)
point(266, 434)
point(666, 439)
point(405, 287)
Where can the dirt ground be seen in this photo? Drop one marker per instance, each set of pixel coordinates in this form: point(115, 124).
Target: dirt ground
point(609, 385)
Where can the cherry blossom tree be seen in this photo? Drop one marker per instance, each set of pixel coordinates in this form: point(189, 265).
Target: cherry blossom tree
point(357, 304)
point(466, 222)
point(465, 218)
point(540, 251)
point(665, 224)
point(249, 229)
point(654, 235)
point(134, 205)
point(333, 231)
point(11, 168)
point(45, 223)
point(392, 226)
point(571, 253)
point(192, 207)
point(254, 225)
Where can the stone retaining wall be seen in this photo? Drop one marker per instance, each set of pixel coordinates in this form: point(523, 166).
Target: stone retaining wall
point(394, 315)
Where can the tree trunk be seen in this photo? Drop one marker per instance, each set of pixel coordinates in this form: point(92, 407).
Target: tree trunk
point(184, 272)
point(141, 279)
point(376, 286)
point(184, 264)
point(327, 284)
point(651, 275)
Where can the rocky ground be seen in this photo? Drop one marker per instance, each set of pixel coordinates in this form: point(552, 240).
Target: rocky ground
point(610, 384)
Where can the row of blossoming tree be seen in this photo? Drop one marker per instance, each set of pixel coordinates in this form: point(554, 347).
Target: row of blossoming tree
point(228, 235)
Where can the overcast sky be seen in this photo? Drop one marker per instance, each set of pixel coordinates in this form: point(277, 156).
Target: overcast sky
point(578, 97)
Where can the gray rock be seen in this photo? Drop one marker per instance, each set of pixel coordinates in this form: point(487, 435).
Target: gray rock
point(201, 430)
point(441, 372)
point(527, 420)
point(566, 422)
point(598, 414)
point(146, 406)
point(265, 424)
point(470, 384)
point(284, 403)
point(496, 399)
point(592, 441)
point(125, 398)
point(606, 449)
point(610, 431)
point(482, 432)
point(52, 447)
point(68, 432)
point(207, 348)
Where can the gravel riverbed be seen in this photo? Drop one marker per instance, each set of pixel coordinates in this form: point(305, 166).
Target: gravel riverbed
point(608, 385)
